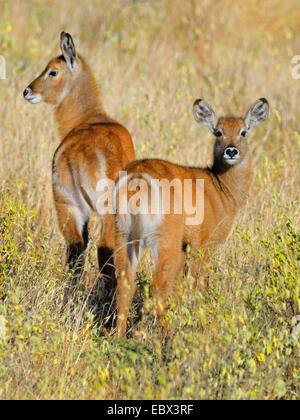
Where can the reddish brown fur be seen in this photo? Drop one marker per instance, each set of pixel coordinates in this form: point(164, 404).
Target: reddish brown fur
point(225, 191)
point(93, 146)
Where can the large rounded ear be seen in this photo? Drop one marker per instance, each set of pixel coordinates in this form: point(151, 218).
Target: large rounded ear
point(68, 49)
point(204, 115)
point(257, 114)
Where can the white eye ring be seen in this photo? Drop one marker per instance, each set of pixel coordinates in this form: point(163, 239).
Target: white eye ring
point(243, 132)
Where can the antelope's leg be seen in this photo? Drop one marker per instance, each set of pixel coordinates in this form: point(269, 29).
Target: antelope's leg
point(106, 251)
point(125, 290)
point(73, 223)
point(169, 267)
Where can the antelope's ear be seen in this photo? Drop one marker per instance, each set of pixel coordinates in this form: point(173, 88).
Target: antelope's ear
point(68, 49)
point(257, 114)
point(205, 115)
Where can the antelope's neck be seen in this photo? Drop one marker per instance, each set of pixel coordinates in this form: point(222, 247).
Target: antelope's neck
point(81, 103)
point(234, 183)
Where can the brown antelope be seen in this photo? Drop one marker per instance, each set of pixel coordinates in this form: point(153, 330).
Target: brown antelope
point(93, 147)
point(169, 233)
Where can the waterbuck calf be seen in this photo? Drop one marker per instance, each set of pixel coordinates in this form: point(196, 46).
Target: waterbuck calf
point(165, 225)
point(93, 147)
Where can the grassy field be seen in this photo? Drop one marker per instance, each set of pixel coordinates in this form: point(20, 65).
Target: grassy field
point(152, 59)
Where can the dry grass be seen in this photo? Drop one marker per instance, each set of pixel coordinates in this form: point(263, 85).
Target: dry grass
point(152, 59)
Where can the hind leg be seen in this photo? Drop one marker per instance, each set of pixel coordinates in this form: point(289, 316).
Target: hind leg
point(106, 251)
point(75, 254)
point(107, 269)
point(125, 273)
point(73, 222)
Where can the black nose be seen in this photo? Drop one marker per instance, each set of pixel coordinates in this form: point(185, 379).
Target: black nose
point(231, 152)
point(26, 92)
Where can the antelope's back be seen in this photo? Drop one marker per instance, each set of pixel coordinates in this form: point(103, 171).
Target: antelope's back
point(90, 143)
point(91, 153)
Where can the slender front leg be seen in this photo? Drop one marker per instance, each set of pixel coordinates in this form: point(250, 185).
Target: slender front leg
point(169, 268)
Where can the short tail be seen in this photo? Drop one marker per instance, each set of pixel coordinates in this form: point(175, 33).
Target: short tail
point(142, 219)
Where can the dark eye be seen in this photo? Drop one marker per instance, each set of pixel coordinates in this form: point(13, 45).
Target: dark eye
point(243, 133)
point(218, 133)
point(53, 73)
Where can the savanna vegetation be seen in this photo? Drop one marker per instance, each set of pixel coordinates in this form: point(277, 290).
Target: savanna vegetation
point(152, 59)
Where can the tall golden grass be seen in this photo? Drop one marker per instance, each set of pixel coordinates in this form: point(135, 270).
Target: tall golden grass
point(152, 59)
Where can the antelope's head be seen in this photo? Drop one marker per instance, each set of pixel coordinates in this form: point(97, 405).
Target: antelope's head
point(55, 82)
point(231, 132)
